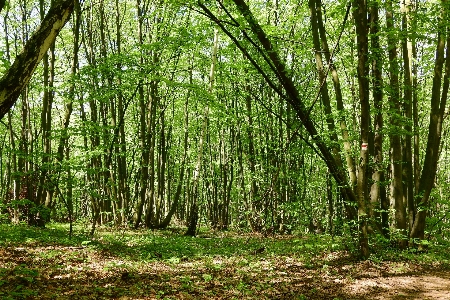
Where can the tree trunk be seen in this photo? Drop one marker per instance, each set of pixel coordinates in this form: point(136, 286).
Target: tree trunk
point(63, 140)
point(143, 135)
point(438, 103)
point(177, 196)
point(360, 16)
point(378, 197)
point(192, 225)
point(395, 137)
point(20, 72)
point(408, 175)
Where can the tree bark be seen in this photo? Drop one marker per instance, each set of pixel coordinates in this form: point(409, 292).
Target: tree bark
point(438, 102)
point(19, 74)
point(351, 168)
point(360, 16)
point(408, 101)
point(323, 86)
point(192, 226)
point(395, 136)
point(177, 197)
point(378, 197)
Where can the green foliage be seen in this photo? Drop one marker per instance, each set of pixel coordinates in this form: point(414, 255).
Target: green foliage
point(4, 63)
point(11, 235)
point(24, 278)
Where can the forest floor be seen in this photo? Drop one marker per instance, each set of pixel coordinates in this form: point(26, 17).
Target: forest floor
point(143, 264)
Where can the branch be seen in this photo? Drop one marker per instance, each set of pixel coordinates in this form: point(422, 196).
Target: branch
point(266, 77)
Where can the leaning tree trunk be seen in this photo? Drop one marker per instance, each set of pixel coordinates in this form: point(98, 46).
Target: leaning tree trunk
point(289, 93)
point(19, 74)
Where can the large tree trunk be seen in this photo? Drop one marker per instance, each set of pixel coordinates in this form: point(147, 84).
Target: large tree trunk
point(438, 102)
point(360, 16)
point(19, 74)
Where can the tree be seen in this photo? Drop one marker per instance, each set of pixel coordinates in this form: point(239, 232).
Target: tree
point(20, 72)
point(438, 103)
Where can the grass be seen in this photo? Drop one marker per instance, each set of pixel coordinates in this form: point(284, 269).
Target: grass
point(143, 264)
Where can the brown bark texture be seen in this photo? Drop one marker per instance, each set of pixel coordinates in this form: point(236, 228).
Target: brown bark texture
point(19, 74)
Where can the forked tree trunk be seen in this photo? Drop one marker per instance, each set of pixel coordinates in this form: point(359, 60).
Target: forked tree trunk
point(438, 103)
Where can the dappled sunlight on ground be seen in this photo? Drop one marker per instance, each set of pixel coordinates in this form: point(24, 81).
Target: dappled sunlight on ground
point(433, 285)
point(193, 268)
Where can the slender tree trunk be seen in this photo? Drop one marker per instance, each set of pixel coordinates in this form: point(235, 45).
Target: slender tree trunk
point(360, 16)
point(143, 136)
point(154, 104)
point(408, 99)
point(13, 174)
point(177, 196)
point(395, 135)
point(254, 200)
point(192, 225)
point(416, 157)
point(123, 193)
point(151, 136)
point(45, 192)
point(106, 110)
point(63, 140)
point(378, 197)
point(94, 164)
point(338, 94)
point(323, 86)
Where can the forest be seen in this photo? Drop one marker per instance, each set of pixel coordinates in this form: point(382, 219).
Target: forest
point(277, 129)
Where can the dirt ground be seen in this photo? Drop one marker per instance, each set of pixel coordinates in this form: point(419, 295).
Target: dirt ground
point(36, 272)
point(387, 280)
point(431, 285)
